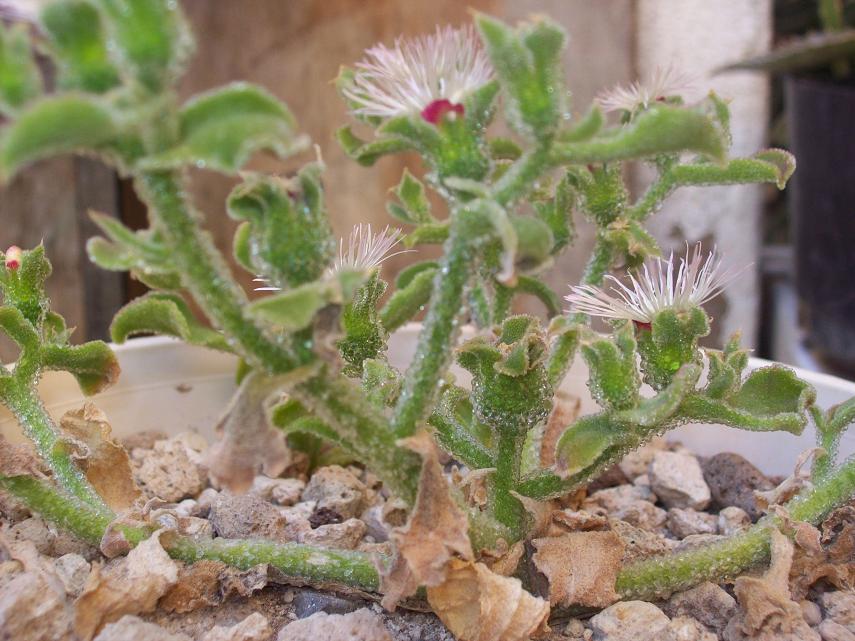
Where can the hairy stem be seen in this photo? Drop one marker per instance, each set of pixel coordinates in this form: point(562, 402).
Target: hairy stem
point(519, 178)
point(657, 577)
point(206, 275)
point(304, 563)
point(505, 506)
point(436, 340)
point(43, 432)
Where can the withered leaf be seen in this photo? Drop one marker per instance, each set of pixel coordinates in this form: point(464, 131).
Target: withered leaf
point(564, 412)
point(248, 443)
point(476, 604)
point(833, 560)
point(197, 587)
point(131, 585)
point(105, 462)
point(790, 486)
point(19, 460)
point(581, 567)
point(436, 531)
point(767, 612)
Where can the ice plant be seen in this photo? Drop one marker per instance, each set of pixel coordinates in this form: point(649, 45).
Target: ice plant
point(430, 75)
point(312, 353)
point(696, 280)
point(663, 83)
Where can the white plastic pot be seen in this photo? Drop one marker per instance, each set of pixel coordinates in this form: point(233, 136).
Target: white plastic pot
point(169, 386)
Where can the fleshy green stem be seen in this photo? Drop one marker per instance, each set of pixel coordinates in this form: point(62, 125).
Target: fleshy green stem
point(505, 506)
point(301, 562)
point(657, 577)
point(206, 274)
point(43, 432)
point(436, 340)
point(519, 178)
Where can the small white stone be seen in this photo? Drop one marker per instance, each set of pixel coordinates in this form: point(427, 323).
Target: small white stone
point(636, 462)
point(732, 519)
point(615, 499)
point(686, 629)
point(253, 628)
point(678, 481)
point(345, 535)
point(832, 631)
point(337, 489)
point(72, 570)
point(839, 606)
point(685, 522)
point(205, 500)
point(361, 625)
point(629, 621)
point(811, 612)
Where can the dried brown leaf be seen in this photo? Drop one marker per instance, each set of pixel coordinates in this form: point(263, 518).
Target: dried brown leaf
point(436, 531)
point(767, 612)
point(198, 586)
point(581, 567)
point(19, 460)
point(564, 412)
point(104, 461)
point(504, 559)
point(479, 605)
point(131, 585)
point(790, 486)
point(248, 443)
point(579, 521)
point(833, 561)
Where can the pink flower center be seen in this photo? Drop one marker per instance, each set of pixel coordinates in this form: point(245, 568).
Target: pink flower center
point(13, 257)
point(641, 325)
point(436, 110)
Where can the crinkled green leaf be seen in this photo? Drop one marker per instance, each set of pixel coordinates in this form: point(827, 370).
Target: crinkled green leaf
point(20, 80)
point(613, 377)
point(367, 153)
point(381, 382)
point(527, 63)
point(93, 364)
point(364, 333)
point(289, 240)
point(407, 301)
point(428, 234)
point(586, 441)
point(16, 326)
point(659, 130)
point(411, 192)
point(55, 125)
point(24, 288)
point(78, 44)
point(557, 213)
point(166, 314)
point(294, 309)
point(149, 39)
point(650, 412)
point(220, 130)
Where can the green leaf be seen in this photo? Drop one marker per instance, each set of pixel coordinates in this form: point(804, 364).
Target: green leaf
point(813, 52)
point(16, 326)
point(659, 130)
point(24, 288)
point(288, 240)
point(670, 342)
point(504, 149)
point(77, 42)
point(20, 81)
point(166, 314)
point(650, 412)
point(770, 398)
point(364, 334)
point(367, 153)
point(93, 364)
point(527, 62)
point(585, 441)
point(588, 127)
point(557, 213)
point(411, 192)
point(221, 129)
point(149, 38)
point(428, 234)
point(613, 377)
point(381, 381)
point(55, 125)
point(408, 301)
point(294, 309)
point(409, 273)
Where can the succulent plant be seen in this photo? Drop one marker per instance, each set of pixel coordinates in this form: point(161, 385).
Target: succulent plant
point(312, 350)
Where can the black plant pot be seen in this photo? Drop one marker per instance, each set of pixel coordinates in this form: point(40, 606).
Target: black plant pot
point(821, 124)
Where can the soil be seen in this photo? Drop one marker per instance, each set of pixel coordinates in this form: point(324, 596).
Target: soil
point(660, 498)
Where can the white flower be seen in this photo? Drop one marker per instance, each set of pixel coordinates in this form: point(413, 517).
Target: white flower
point(414, 74)
point(366, 250)
point(698, 279)
point(663, 82)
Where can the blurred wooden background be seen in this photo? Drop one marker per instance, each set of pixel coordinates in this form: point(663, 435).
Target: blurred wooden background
point(294, 49)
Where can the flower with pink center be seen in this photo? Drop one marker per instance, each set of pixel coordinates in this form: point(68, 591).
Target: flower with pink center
point(696, 280)
point(13, 257)
point(429, 75)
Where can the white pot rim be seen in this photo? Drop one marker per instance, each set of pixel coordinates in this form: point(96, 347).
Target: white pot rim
point(169, 386)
